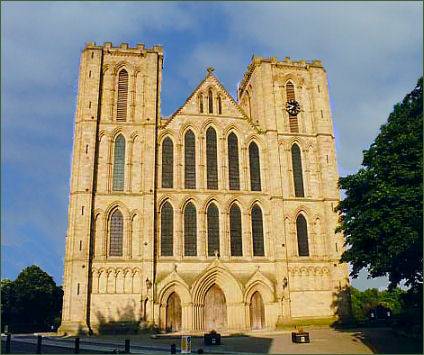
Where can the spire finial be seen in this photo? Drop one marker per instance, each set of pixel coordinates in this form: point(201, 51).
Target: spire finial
point(210, 70)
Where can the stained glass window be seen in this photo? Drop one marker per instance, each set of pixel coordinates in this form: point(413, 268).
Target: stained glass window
point(297, 171)
point(211, 159)
point(233, 162)
point(255, 167)
point(167, 163)
point(119, 164)
point(116, 233)
point(189, 161)
point(167, 229)
point(190, 230)
point(302, 236)
point(235, 231)
point(257, 231)
point(213, 229)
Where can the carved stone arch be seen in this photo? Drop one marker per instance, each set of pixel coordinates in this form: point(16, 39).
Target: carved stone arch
point(185, 128)
point(211, 199)
point(117, 205)
point(253, 137)
point(304, 271)
point(134, 135)
point(173, 283)
point(231, 202)
point(186, 200)
point(116, 132)
point(318, 271)
point(210, 122)
point(173, 314)
point(102, 134)
point(259, 282)
point(105, 68)
point(167, 133)
point(231, 128)
point(134, 213)
point(164, 199)
point(304, 210)
point(256, 201)
point(97, 212)
point(296, 80)
point(223, 278)
point(123, 65)
point(300, 142)
point(135, 269)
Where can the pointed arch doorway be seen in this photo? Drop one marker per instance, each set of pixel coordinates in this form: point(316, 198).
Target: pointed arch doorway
point(173, 313)
point(257, 314)
point(215, 310)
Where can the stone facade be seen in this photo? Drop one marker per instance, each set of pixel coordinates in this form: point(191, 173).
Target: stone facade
point(139, 248)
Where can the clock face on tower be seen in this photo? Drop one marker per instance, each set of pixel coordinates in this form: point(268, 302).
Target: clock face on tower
point(292, 107)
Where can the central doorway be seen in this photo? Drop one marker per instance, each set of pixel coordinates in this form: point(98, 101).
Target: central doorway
point(173, 313)
point(215, 310)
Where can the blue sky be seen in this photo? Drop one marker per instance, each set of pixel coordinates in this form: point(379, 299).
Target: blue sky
point(372, 53)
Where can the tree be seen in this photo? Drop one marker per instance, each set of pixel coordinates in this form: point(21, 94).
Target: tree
point(32, 301)
point(381, 215)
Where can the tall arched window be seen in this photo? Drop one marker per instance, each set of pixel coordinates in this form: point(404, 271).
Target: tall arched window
point(233, 162)
point(210, 101)
point(190, 230)
point(219, 105)
point(211, 159)
point(167, 163)
point(201, 103)
point(166, 229)
point(121, 104)
point(235, 231)
point(255, 167)
point(297, 171)
point(257, 231)
point(302, 236)
point(116, 228)
point(119, 164)
point(189, 161)
point(213, 229)
point(294, 127)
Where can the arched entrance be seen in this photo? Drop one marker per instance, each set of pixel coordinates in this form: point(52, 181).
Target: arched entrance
point(257, 316)
point(173, 313)
point(215, 310)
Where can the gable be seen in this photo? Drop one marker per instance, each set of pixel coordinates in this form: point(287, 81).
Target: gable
point(211, 84)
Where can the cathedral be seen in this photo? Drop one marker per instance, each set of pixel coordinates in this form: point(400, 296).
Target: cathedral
point(219, 217)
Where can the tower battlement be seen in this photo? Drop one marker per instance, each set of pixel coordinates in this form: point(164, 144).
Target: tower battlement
point(140, 48)
point(287, 62)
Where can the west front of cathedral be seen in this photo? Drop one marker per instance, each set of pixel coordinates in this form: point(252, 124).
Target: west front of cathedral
point(219, 217)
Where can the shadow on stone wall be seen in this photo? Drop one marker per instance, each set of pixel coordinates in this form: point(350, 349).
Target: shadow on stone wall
point(126, 322)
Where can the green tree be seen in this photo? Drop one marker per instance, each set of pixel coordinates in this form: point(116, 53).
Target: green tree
point(381, 215)
point(32, 301)
point(363, 301)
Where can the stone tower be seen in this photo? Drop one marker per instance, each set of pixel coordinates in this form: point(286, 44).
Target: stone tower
point(118, 97)
point(218, 217)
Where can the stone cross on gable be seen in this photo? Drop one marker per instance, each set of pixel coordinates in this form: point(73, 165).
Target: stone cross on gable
point(210, 70)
